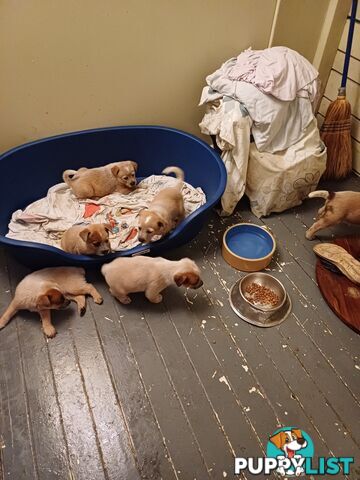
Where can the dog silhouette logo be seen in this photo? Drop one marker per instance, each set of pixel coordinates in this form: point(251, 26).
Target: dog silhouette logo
point(290, 446)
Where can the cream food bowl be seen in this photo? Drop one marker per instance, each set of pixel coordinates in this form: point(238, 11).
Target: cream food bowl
point(248, 247)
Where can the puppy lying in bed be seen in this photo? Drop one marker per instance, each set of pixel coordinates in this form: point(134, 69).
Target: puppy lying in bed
point(165, 211)
point(90, 240)
point(99, 182)
point(149, 275)
point(51, 289)
point(339, 207)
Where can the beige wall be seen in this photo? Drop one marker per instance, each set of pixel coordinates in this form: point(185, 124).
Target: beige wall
point(75, 64)
point(298, 25)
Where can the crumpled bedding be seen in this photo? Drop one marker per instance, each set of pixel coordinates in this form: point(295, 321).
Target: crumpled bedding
point(276, 124)
point(45, 220)
point(229, 121)
point(278, 71)
point(273, 182)
point(277, 182)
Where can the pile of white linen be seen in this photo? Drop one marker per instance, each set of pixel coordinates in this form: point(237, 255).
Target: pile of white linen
point(270, 94)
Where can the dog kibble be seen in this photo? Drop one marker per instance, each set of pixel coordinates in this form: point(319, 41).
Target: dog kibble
point(262, 295)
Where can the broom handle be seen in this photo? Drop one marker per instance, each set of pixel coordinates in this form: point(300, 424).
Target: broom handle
point(349, 43)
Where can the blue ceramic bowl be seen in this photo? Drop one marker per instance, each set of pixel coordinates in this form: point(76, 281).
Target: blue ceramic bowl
point(248, 247)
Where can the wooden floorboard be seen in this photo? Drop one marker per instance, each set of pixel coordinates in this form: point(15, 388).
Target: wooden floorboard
point(174, 391)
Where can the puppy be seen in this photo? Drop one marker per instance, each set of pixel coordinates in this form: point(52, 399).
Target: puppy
point(99, 182)
point(90, 240)
point(149, 275)
point(339, 207)
point(51, 289)
point(289, 441)
point(165, 211)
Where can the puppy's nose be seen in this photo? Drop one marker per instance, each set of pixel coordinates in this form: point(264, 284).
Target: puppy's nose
point(301, 441)
point(133, 184)
point(199, 284)
point(141, 239)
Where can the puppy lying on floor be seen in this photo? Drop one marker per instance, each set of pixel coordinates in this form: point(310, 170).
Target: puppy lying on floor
point(149, 275)
point(99, 182)
point(165, 211)
point(339, 207)
point(51, 289)
point(90, 240)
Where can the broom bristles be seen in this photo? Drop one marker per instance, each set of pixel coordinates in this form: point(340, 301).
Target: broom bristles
point(335, 132)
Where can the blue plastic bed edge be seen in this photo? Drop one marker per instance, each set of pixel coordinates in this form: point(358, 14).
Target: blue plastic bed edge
point(147, 248)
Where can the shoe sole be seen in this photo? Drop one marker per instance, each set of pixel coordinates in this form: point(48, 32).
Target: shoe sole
point(346, 263)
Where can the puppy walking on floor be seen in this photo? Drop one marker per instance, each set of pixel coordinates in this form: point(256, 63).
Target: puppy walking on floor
point(165, 211)
point(149, 275)
point(339, 207)
point(51, 289)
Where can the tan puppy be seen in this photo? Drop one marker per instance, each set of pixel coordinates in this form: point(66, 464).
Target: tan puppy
point(90, 240)
point(99, 182)
point(149, 275)
point(290, 442)
point(165, 211)
point(50, 289)
point(339, 207)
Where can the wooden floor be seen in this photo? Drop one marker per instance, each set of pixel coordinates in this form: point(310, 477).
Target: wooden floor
point(174, 391)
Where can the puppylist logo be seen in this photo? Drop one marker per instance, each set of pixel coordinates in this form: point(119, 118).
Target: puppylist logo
point(290, 452)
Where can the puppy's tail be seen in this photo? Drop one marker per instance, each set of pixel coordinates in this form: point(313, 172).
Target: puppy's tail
point(179, 173)
point(69, 175)
point(8, 314)
point(320, 194)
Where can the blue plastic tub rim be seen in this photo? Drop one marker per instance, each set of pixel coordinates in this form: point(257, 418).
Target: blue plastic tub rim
point(139, 249)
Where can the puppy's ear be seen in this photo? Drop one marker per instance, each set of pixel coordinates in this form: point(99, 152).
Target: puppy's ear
point(55, 296)
point(179, 279)
point(84, 234)
point(50, 297)
point(134, 164)
point(115, 170)
point(297, 432)
point(43, 302)
point(278, 440)
point(141, 212)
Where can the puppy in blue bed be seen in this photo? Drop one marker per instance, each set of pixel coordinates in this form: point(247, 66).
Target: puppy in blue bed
point(99, 182)
point(165, 211)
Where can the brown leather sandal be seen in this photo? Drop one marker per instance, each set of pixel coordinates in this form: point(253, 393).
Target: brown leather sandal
point(346, 263)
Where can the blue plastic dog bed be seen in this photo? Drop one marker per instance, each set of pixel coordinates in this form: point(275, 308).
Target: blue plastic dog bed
point(27, 172)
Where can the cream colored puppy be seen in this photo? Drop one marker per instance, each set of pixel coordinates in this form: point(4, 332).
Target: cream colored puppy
point(90, 240)
point(99, 182)
point(339, 207)
point(149, 275)
point(50, 289)
point(165, 211)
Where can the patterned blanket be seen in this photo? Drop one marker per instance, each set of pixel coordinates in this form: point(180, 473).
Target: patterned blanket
point(45, 220)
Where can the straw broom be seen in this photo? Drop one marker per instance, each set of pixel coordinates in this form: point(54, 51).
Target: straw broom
point(336, 129)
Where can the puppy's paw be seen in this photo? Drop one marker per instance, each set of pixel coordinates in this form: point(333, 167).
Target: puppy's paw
point(82, 311)
point(156, 299)
point(125, 300)
point(50, 331)
point(99, 300)
point(309, 235)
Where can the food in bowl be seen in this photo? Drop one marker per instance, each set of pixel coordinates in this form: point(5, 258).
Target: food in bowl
point(262, 291)
point(260, 295)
